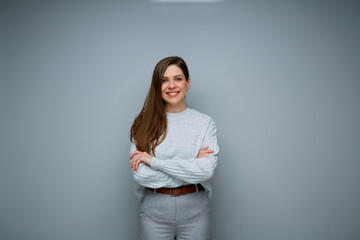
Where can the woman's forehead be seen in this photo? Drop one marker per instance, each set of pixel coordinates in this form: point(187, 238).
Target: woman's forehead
point(173, 71)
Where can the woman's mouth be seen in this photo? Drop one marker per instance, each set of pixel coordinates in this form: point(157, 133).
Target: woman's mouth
point(172, 94)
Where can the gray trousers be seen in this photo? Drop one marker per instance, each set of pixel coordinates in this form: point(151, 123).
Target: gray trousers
point(175, 217)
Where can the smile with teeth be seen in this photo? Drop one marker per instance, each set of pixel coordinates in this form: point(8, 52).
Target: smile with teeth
point(172, 94)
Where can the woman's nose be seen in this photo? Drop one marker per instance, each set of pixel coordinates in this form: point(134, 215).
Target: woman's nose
point(171, 84)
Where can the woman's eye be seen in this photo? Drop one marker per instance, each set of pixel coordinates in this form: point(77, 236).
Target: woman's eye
point(178, 79)
point(164, 80)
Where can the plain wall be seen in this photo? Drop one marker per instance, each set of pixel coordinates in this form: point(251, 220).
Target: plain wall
point(280, 78)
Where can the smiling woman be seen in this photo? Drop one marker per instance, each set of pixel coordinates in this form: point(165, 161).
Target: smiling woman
point(174, 89)
point(173, 157)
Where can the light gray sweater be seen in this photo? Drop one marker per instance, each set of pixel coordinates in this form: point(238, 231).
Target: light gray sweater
point(175, 164)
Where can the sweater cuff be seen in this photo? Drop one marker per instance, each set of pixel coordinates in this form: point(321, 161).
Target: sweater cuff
point(156, 164)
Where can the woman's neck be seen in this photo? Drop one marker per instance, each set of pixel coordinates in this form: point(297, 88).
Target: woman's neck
point(175, 109)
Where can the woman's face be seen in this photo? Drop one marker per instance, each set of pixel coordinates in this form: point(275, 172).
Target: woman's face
point(174, 88)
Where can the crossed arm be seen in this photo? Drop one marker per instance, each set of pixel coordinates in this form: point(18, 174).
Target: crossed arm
point(138, 157)
point(155, 178)
point(148, 170)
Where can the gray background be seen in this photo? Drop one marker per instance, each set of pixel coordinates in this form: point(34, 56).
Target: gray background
point(281, 79)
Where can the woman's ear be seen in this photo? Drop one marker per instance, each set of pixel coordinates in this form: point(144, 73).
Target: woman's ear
point(189, 81)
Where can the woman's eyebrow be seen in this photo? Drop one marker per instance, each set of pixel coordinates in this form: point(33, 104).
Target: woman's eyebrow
point(179, 75)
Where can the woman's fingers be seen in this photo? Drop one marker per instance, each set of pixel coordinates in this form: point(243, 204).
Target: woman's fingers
point(134, 157)
point(138, 157)
point(132, 163)
point(134, 153)
point(204, 152)
point(204, 148)
point(135, 164)
point(208, 150)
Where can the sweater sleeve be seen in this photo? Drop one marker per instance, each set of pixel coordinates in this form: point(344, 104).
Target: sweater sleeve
point(192, 170)
point(149, 177)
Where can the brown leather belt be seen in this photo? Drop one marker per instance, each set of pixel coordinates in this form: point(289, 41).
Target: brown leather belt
point(179, 190)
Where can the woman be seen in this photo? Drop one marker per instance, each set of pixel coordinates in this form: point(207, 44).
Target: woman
point(173, 157)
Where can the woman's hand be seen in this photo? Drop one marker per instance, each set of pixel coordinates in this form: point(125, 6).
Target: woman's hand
point(204, 152)
point(138, 157)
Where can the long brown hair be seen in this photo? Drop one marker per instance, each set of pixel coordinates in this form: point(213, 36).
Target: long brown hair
point(150, 125)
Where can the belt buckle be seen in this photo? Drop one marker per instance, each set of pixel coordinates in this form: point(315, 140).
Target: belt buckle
point(171, 195)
